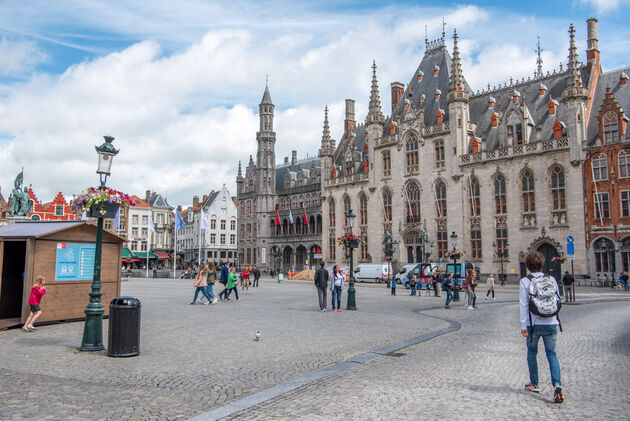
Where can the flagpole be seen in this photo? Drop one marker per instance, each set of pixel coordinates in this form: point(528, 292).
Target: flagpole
point(199, 251)
point(148, 248)
point(175, 251)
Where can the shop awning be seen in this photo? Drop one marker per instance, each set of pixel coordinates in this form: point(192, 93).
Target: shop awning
point(127, 254)
point(143, 255)
point(163, 256)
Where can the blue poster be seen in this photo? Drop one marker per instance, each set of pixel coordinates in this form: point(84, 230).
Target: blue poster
point(75, 262)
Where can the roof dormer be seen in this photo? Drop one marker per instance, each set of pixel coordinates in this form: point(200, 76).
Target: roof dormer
point(623, 79)
point(420, 75)
point(439, 115)
point(542, 90)
point(436, 69)
point(552, 106)
point(491, 102)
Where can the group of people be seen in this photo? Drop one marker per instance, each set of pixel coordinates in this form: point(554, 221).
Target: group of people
point(206, 277)
point(329, 282)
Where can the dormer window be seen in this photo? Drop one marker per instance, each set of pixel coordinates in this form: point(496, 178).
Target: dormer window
point(623, 79)
point(611, 127)
point(406, 104)
point(551, 106)
point(475, 145)
point(437, 94)
point(516, 95)
point(392, 128)
point(558, 129)
point(542, 89)
point(491, 102)
point(420, 75)
point(365, 147)
point(439, 115)
point(515, 134)
point(334, 172)
point(436, 69)
point(494, 119)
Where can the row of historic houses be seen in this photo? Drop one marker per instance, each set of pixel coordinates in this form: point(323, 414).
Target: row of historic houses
point(493, 174)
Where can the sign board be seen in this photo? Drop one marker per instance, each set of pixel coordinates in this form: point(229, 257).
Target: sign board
point(263, 255)
point(317, 256)
point(440, 261)
point(570, 248)
point(74, 262)
point(511, 270)
point(571, 256)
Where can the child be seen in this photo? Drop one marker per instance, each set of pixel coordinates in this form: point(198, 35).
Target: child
point(394, 286)
point(35, 298)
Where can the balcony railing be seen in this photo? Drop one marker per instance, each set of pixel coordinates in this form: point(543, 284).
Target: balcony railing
point(515, 150)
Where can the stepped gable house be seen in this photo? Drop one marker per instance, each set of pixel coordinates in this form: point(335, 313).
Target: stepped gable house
point(501, 168)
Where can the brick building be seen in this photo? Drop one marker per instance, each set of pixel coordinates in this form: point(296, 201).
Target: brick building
point(56, 210)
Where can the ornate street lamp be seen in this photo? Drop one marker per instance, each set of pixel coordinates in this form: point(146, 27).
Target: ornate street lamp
point(501, 253)
point(350, 246)
point(456, 286)
point(424, 239)
point(93, 329)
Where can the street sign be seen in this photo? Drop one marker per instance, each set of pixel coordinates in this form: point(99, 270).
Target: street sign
point(571, 256)
point(570, 246)
point(440, 261)
point(570, 239)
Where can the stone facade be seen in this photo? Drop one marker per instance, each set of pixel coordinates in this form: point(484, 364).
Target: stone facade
point(501, 168)
point(280, 220)
point(162, 238)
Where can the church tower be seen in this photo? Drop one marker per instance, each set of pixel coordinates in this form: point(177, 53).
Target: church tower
point(374, 120)
point(265, 165)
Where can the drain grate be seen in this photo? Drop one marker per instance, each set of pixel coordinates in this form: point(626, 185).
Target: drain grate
point(395, 354)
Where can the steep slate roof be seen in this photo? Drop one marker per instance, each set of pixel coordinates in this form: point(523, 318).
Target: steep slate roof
point(359, 140)
point(620, 92)
point(157, 201)
point(211, 197)
point(266, 99)
point(281, 170)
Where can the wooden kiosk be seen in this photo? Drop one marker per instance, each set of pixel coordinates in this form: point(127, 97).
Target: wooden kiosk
point(63, 252)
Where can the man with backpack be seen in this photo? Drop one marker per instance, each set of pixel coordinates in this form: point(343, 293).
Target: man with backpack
point(539, 305)
point(321, 282)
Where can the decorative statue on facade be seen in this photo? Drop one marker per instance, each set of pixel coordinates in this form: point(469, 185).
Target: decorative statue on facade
point(21, 203)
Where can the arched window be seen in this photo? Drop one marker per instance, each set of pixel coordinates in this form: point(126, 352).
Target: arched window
point(473, 192)
point(624, 164)
point(500, 200)
point(610, 126)
point(347, 205)
point(440, 198)
point(413, 203)
point(600, 167)
point(363, 210)
point(387, 205)
point(439, 153)
point(411, 153)
point(557, 189)
point(331, 212)
point(387, 163)
point(527, 187)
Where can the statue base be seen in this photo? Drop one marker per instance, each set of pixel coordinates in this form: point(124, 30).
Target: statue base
point(14, 219)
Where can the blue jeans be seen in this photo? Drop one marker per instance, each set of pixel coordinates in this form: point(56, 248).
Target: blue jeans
point(413, 290)
point(203, 291)
point(210, 290)
point(548, 334)
point(336, 295)
point(449, 296)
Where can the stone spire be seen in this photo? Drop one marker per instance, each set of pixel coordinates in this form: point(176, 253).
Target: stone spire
point(539, 60)
point(456, 90)
point(326, 132)
point(374, 113)
point(574, 88)
point(240, 173)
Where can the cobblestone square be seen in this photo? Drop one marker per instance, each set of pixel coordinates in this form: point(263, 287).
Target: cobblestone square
point(200, 361)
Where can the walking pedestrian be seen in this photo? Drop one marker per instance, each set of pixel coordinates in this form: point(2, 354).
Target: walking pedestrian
point(490, 282)
point(225, 273)
point(211, 277)
point(321, 282)
point(232, 284)
point(437, 283)
point(394, 286)
point(245, 279)
point(412, 285)
point(448, 287)
point(201, 283)
point(336, 285)
point(469, 289)
point(533, 327)
point(37, 292)
point(567, 281)
point(154, 272)
point(624, 279)
point(257, 277)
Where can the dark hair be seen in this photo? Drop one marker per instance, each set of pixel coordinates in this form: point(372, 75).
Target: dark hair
point(534, 261)
point(322, 263)
point(335, 269)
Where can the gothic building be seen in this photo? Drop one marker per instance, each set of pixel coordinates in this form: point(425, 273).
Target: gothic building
point(280, 221)
point(502, 168)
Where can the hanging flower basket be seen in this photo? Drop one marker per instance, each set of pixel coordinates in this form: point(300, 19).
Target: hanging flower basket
point(350, 240)
point(99, 203)
point(559, 259)
point(454, 254)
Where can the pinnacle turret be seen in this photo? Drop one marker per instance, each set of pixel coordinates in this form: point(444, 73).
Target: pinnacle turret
point(326, 131)
point(374, 112)
point(574, 88)
point(240, 173)
point(456, 90)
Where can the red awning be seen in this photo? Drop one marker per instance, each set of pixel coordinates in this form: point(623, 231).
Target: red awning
point(162, 256)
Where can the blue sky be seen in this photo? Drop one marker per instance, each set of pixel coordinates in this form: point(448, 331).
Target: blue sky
point(178, 82)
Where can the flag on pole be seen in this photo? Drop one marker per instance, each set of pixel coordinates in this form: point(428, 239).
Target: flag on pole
point(179, 221)
point(304, 215)
point(117, 219)
point(151, 227)
point(290, 216)
point(84, 216)
point(204, 221)
point(277, 219)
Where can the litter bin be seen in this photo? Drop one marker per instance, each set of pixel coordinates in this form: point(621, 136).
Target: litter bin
point(124, 327)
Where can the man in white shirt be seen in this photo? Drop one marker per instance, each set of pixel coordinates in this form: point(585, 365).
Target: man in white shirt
point(545, 327)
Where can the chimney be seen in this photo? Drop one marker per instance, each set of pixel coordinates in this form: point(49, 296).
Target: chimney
point(293, 157)
point(286, 160)
point(592, 47)
point(205, 198)
point(397, 93)
point(349, 123)
point(195, 201)
point(179, 208)
point(148, 195)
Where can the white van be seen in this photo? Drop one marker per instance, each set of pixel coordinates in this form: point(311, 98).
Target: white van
point(371, 272)
point(401, 276)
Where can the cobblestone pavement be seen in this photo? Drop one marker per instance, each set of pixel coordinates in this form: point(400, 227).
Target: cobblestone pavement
point(478, 372)
point(196, 358)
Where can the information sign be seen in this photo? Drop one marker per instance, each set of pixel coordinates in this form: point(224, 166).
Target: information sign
point(75, 262)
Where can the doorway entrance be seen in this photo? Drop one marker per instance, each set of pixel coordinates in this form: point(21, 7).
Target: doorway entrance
point(12, 288)
point(550, 268)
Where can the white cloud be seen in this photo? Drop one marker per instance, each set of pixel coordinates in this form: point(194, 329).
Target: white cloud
point(183, 117)
point(19, 56)
point(603, 6)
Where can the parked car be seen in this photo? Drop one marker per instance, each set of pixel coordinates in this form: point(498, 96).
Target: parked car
point(368, 272)
point(423, 273)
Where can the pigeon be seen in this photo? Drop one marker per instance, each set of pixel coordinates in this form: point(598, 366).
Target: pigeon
point(257, 338)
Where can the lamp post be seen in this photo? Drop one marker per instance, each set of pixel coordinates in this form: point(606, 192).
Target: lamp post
point(389, 245)
point(424, 238)
point(502, 253)
point(350, 246)
point(93, 329)
point(456, 286)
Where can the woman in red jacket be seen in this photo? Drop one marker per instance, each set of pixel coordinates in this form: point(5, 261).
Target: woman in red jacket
point(35, 298)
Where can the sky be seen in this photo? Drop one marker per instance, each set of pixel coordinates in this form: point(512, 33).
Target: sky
point(178, 83)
